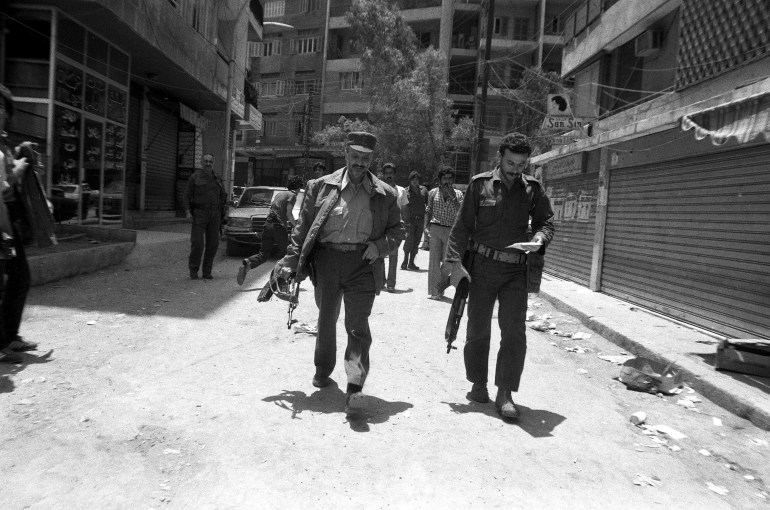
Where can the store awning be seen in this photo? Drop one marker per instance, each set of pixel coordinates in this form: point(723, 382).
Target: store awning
point(743, 120)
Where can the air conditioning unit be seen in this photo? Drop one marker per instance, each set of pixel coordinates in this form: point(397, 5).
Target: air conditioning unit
point(648, 43)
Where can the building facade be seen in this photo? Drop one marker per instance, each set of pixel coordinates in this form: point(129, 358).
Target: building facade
point(525, 33)
point(665, 202)
point(124, 97)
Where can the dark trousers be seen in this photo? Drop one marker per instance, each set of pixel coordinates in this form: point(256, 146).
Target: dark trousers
point(343, 277)
point(275, 240)
point(392, 266)
point(491, 281)
point(13, 292)
point(205, 231)
point(413, 236)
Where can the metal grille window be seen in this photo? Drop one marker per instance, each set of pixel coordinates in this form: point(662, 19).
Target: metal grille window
point(272, 88)
point(270, 48)
point(350, 81)
point(306, 86)
point(307, 45)
point(271, 127)
point(309, 5)
point(275, 9)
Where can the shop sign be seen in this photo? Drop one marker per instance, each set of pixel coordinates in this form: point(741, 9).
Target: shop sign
point(564, 123)
point(564, 167)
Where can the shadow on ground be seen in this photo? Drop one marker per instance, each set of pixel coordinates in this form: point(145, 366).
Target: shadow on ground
point(332, 400)
point(535, 422)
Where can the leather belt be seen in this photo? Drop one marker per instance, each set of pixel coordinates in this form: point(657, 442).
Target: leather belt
point(346, 247)
point(500, 256)
point(440, 224)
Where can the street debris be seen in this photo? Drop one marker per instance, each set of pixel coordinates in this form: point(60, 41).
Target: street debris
point(580, 336)
point(685, 403)
point(577, 349)
point(638, 418)
point(90, 323)
point(582, 371)
point(704, 452)
point(171, 451)
point(646, 480)
point(748, 477)
point(718, 489)
point(670, 432)
point(306, 328)
point(759, 442)
point(674, 448)
point(542, 325)
point(716, 421)
point(618, 359)
point(642, 374)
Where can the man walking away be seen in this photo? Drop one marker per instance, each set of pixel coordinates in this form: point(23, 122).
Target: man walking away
point(279, 222)
point(389, 176)
point(204, 201)
point(413, 213)
point(443, 204)
point(348, 222)
point(495, 214)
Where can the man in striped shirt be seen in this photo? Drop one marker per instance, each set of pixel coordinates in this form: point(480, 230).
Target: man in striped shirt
point(443, 203)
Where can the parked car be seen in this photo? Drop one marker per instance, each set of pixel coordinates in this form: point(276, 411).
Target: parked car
point(246, 220)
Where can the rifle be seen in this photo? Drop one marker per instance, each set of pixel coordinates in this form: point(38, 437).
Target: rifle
point(458, 305)
point(293, 302)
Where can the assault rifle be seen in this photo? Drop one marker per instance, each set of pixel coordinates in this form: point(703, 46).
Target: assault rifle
point(458, 305)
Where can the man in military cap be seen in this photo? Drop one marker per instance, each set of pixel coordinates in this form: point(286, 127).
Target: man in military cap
point(348, 222)
point(495, 214)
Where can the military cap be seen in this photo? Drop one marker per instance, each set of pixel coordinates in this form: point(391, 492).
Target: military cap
point(361, 141)
point(413, 174)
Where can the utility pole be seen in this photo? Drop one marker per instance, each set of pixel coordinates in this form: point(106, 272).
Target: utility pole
point(307, 117)
point(484, 85)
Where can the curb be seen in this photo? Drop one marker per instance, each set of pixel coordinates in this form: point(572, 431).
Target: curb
point(723, 390)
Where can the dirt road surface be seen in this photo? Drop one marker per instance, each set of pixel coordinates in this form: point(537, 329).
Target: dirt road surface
point(150, 390)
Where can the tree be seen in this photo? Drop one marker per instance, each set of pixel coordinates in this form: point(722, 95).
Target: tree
point(530, 103)
point(408, 106)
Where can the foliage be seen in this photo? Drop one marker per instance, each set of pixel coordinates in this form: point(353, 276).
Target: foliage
point(408, 107)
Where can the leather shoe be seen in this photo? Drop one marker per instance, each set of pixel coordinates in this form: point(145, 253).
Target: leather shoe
point(8, 356)
point(354, 403)
point(208, 277)
point(320, 381)
point(479, 393)
point(403, 266)
point(506, 407)
point(193, 275)
point(413, 267)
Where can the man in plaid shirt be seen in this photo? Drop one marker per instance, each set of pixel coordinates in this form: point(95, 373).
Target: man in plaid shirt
point(443, 203)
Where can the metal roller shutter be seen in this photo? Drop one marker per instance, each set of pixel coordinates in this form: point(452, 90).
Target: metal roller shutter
point(574, 202)
point(691, 238)
point(160, 187)
point(133, 146)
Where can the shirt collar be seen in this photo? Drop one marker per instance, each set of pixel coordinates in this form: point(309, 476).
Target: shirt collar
point(365, 181)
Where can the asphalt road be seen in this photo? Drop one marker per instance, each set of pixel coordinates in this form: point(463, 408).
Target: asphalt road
point(154, 391)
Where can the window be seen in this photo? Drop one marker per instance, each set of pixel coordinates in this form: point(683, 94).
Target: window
point(255, 49)
point(306, 45)
point(309, 5)
point(423, 39)
point(270, 48)
point(272, 88)
point(275, 9)
point(501, 27)
point(306, 86)
point(521, 29)
point(271, 127)
point(350, 81)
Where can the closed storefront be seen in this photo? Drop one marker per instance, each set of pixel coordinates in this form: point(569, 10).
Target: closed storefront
point(160, 186)
point(573, 198)
point(688, 232)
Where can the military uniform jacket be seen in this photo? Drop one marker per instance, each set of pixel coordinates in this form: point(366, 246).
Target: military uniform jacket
point(498, 217)
point(321, 196)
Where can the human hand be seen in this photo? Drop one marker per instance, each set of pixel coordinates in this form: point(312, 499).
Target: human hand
point(455, 271)
point(19, 165)
point(371, 253)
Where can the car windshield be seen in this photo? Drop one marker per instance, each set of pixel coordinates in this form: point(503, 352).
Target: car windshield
point(252, 197)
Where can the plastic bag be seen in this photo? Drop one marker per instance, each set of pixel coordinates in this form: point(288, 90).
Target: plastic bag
point(642, 374)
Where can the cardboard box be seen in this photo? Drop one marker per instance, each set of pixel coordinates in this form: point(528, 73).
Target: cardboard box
point(749, 356)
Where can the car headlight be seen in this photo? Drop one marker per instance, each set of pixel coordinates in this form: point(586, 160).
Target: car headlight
point(239, 222)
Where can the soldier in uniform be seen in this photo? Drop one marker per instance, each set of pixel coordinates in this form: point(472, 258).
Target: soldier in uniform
point(494, 215)
point(348, 223)
point(413, 212)
point(204, 200)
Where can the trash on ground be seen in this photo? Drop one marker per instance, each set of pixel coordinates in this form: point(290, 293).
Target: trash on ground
point(685, 403)
point(618, 359)
point(582, 371)
point(642, 374)
point(638, 418)
point(658, 440)
point(749, 477)
point(747, 356)
point(306, 328)
point(716, 421)
point(581, 336)
point(171, 451)
point(542, 325)
point(90, 323)
point(670, 432)
point(674, 448)
point(759, 442)
point(530, 317)
point(646, 480)
point(577, 349)
point(718, 489)
point(761, 495)
point(704, 452)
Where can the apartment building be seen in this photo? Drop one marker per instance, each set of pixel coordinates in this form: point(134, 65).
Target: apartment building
point(125, 97)
point(665, 202)
point(527, 33)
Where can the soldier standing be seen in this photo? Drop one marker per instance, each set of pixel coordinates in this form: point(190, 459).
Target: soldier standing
point(494, 215)
point(413, 212)
point(204, 200)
